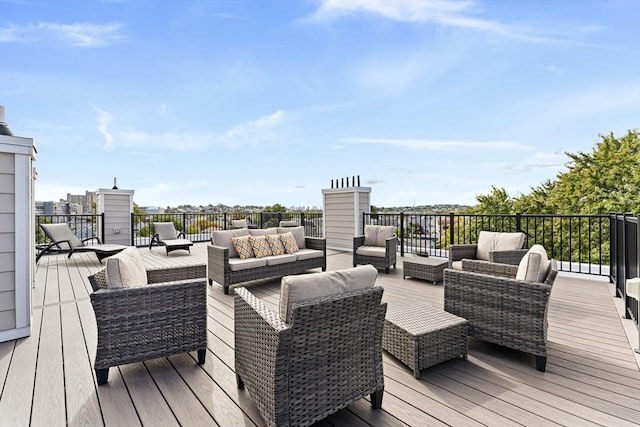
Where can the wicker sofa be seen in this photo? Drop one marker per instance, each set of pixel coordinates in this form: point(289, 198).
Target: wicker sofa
point(501, 305)
point(224, 266)
point(321, 352)
point(165, 316)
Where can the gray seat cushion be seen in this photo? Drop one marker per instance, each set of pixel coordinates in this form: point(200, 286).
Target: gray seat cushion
point(237, 264)
point(376, 251)
point(303, 254)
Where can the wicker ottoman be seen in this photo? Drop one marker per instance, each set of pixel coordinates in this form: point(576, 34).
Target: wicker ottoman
point(420, 335)
point(424, 268)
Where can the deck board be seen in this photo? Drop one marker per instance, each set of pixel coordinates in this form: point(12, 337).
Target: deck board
point(592, 374)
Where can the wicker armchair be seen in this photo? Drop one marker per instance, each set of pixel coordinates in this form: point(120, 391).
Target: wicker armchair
point(165, 317)
point(499, 308)
point(327, 356)
point(376, 249)
point(484, 249)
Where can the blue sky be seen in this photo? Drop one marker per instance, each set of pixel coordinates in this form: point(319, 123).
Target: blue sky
point(261, 102)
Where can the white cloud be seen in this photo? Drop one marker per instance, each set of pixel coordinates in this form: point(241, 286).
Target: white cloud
point(74, 35)
point(254, 132)
point(104, 119)
point(439, 145)
point(447, 13)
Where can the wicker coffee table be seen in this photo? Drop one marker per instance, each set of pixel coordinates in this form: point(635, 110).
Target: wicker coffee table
point(420, 335)
point(424, 268)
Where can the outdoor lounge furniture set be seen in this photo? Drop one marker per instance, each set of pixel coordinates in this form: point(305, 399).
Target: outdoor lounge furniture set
point(323, 349)
point(228, 266)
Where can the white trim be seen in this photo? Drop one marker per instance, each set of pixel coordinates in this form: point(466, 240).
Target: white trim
point(14, 334)
point(23, 241)
point(346, 190)
point(356, 213)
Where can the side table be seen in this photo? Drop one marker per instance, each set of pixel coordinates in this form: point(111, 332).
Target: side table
point(424, 268)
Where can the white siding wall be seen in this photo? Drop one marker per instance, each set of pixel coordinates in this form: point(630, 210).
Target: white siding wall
point(116, 206)
point(7, 242)
point(343, 209)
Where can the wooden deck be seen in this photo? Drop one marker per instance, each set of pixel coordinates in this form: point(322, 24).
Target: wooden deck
point(47, 379)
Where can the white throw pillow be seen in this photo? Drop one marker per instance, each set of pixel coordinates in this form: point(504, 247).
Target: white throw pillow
point(377, 235)
point(534, 265)
point(304, 287)
point(489, 241)
point(126, 269)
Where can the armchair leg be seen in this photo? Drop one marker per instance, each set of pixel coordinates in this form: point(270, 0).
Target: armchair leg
point(386, 270)
point(202, 356)
point(226, 290)
point(102, 376)
point(541, 363)
point(376, 398)
point(239, 382)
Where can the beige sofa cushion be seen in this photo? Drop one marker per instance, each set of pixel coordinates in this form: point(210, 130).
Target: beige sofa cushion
point(375, 251)
point(263, 231)
point(237, 264)
point(125, 269)
point(489, 241)
point(223, 238)
point(377, 235)
point(304, 287)
point(303, 254)
point(534, 265)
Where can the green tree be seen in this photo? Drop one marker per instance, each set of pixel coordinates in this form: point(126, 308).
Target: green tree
point(275, 208)
point(497, 201)
point(137, 210)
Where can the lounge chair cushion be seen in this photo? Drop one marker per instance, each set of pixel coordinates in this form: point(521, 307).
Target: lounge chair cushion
point(289, 243)
point(304, 287)
point(263, 231)
point(298, 233)
point(534, 265)
point(223, 238)
point(243, 246)
point(376, 251)
point(165, 230)
point(60, 232)
point(377, 235)
point(489, 241)
point(275, 243)
point(239, 223)
point(260, 246)
point(126, 269)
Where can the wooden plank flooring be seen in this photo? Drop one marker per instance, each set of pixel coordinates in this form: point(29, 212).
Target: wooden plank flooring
point(47, 379)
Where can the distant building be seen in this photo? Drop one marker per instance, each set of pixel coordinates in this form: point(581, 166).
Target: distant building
point(87, 201)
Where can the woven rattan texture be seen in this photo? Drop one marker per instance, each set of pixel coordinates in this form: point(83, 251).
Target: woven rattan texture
point(385, 262)
point(424, 268)
point(218, 269)
point(468, 251)
point(421, 336)
point(166, 317)
point(329, 356)
point(501, 310)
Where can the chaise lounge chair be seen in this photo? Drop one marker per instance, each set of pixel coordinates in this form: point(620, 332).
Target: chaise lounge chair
point(63, 239)
point(165, 234)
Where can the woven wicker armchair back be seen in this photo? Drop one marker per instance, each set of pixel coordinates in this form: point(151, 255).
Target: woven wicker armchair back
point(328, 356)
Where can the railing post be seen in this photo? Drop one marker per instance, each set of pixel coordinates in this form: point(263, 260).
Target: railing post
point(401, 233)
point(102, 227)
point(133, 239)
point(451, 233)
point(518, 221)
point(302, 219)
point(261, 220)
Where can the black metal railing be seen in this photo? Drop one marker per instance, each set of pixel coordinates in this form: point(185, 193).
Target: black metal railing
point(198, 226)
point(83, 226)
point(580, 243)
point(625, 262)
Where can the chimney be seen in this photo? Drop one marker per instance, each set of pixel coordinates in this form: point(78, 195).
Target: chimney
point(4, 129)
